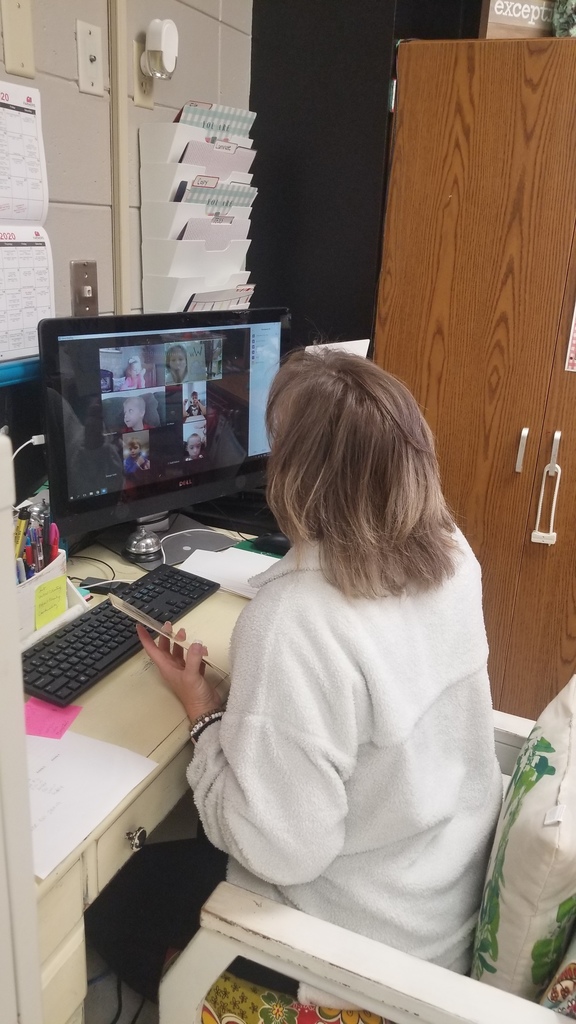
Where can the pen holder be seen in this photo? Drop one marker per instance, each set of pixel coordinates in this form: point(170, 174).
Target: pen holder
point(41, 609)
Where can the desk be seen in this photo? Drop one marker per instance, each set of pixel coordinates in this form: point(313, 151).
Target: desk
point(133, 708)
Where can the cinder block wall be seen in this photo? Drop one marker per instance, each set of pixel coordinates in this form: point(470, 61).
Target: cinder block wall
point(213, 64)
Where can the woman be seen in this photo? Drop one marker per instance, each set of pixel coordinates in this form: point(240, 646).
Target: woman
point(353, 773)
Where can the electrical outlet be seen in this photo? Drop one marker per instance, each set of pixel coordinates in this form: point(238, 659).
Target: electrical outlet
point(143, 84)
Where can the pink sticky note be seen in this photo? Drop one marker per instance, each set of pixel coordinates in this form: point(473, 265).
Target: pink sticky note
point(44, 719)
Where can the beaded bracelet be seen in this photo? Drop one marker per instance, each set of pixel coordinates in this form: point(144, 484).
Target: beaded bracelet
point(202, 722)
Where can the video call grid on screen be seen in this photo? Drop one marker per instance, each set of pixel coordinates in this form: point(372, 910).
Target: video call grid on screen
point(169, 403)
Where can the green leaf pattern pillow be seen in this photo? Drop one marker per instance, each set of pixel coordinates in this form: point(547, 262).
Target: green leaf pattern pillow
point(529, 902)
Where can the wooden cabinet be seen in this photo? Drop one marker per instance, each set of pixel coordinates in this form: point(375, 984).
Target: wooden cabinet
point(475, 303)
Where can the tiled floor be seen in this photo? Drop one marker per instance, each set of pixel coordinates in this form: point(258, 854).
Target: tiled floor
point(101, 1004)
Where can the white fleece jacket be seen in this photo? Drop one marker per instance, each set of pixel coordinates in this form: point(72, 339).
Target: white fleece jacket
point(353, 774)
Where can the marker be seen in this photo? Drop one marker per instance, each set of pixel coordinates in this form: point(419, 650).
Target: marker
point(20, 570)
point(54, 538)
point(20, 531)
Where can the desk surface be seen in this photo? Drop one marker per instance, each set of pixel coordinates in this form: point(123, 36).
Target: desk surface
point(131, 706)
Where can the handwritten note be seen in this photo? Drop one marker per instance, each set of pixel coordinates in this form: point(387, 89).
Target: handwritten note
point(44, 719)
point(49, 601)
point(74, 784)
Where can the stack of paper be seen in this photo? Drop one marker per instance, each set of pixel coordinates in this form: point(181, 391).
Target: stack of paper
point(74, 784)
point(196, 196)
point(231, 568)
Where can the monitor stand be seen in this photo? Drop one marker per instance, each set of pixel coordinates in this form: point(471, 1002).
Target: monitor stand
point(183, 536)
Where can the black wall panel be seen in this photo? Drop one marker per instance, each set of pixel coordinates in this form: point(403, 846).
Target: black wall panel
point(319, 84)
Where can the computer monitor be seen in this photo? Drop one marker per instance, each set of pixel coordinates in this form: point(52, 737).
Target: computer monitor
point(155, 412)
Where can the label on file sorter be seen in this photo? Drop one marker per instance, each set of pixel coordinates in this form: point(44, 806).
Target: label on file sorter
point(205, 181)
point(228, 147)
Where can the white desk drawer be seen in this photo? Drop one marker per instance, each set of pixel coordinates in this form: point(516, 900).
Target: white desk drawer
point(147, 811)
point(64, 981)
point(59, 910)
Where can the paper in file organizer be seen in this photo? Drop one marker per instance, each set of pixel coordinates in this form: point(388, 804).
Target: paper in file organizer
point(168, 143)
point(26, 269)
point(217, 120)
point(220, 198)
point(227, 298)
point(174, 294)
point(216, 232)
point(220, 159)
point(171, 182)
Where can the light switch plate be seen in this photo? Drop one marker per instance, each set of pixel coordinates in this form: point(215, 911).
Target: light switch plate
point(90, 59)
point(84, 287)
point(18, 37)
point(143, 84)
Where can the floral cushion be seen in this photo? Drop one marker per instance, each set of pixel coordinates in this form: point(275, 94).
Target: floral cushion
point(529, 901)
point(234, 1001)
point(561, 993)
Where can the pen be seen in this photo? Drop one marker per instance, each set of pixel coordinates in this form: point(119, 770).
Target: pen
point(20, 531)
point(20, 570)
point(36, 539)
point(28, 554)
point(54, 539)
point(46, 537)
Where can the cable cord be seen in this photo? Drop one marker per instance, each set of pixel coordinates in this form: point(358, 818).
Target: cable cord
point(118, 1013)
point(100, 561)
point(35, 439)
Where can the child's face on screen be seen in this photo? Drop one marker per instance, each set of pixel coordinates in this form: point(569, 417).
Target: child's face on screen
point(133, 413)
point(194, 446)
point(177, 364)
point(135, 367)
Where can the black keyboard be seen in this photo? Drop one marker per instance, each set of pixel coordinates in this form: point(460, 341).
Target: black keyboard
point(61, 667)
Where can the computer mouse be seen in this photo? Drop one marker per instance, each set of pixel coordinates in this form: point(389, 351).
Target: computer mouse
point(272, 543)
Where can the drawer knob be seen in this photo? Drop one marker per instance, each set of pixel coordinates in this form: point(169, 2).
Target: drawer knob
point(137, 838)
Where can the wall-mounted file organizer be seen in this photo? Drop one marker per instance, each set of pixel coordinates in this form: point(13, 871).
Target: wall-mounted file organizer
point(176, 143)
point(189, 258)
point(196, 199)
point(172, 220)
point(175, 182)
point(174, 293)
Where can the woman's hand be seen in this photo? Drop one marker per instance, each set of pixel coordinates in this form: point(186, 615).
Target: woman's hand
point(183, 674)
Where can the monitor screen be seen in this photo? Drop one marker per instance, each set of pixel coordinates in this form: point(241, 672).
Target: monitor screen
point(154, 412)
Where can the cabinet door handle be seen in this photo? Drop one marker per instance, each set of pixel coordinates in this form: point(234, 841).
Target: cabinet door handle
point(552, 469)
point(521, 449)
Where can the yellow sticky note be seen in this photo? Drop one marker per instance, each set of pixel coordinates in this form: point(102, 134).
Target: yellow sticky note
point(49, 601)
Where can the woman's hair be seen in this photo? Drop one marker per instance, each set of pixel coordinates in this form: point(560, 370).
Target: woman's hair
point(353, 468)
